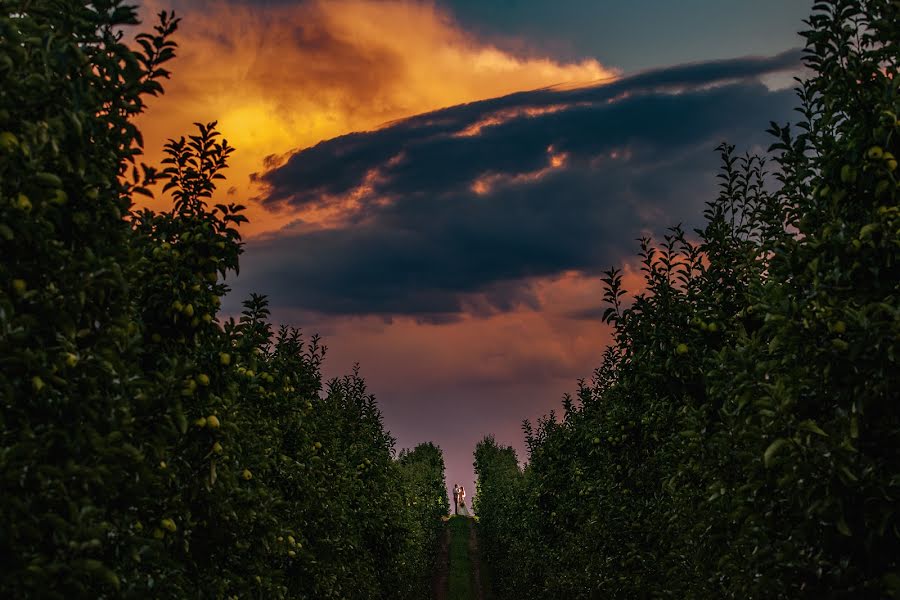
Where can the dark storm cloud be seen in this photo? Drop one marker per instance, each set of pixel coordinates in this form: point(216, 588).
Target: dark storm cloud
point(423, 149)
point(420, 242)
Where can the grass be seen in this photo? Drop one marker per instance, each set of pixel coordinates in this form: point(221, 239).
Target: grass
point(460, 576)
point(485, 569)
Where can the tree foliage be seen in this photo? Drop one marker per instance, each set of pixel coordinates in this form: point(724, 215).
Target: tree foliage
point(740, 439)
point(422, 470)
point(503, 525)
point(150, 447)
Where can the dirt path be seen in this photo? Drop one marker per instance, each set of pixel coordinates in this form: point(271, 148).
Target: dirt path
point(475, 561)
point(439, 582)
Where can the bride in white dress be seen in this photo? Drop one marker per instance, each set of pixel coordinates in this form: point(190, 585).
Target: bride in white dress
point(462, 502)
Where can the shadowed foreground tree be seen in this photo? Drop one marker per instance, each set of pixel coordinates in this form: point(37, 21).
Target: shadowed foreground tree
point(740, 439)
point(148, 447)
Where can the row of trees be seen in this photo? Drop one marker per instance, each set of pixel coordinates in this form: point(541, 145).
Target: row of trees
point(149, 448)
point(423, 476)
point(742, 436)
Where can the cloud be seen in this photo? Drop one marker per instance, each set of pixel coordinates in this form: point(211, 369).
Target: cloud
point(284, 75)
point(418, 151)
point(459, 211)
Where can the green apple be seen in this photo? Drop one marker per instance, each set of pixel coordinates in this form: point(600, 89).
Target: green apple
point(875, 152)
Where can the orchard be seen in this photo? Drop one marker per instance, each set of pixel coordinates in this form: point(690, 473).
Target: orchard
point(151, 447)
point(740, 439)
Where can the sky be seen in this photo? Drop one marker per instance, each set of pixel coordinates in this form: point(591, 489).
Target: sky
point(436, 187)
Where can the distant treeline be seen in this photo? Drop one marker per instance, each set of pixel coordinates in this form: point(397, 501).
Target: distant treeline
point(741, 437)
point(149, 449)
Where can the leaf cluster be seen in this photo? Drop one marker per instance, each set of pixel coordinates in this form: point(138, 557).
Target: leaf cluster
point(149, 445)
point(740, 439)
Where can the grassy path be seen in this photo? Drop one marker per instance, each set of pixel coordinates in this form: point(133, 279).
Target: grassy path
point(439, 584)
point(459, 575)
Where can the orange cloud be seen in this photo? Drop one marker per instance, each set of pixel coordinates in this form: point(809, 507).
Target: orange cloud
point(504, 116)
point(485, 183)
point(286, 77)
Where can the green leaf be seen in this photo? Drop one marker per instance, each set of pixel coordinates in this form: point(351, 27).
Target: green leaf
point(180, 418)
point(846, 472)
point(810, 425)
point(843, 528)
point(772, 450)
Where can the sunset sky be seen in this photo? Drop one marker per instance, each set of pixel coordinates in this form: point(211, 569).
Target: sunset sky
point(434, 187)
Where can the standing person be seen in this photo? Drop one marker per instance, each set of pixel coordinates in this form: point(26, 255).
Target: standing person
point(455, 498)
point(462, 502)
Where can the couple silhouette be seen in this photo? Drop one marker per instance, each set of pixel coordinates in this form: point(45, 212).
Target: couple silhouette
point(459, 501)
